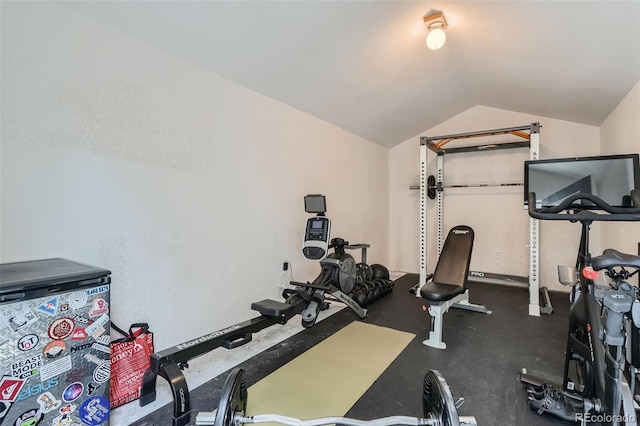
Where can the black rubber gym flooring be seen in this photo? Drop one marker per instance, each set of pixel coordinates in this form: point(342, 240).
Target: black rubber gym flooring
point(484, 355)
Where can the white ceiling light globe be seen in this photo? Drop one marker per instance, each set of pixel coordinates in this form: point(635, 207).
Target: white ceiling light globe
point(436, 38)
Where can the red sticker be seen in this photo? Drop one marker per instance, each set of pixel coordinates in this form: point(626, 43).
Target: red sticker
point(10, 388)
point(99, 307)
point(79, 334)
point(61, 328)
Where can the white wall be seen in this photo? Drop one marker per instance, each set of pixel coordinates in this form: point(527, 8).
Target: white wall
point(496, 213)
point(187, 186)
point(620, 134)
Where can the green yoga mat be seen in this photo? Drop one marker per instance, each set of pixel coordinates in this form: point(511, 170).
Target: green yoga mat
point(329, 378)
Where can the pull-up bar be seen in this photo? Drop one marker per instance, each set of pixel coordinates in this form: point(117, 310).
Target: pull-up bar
point(523, 132)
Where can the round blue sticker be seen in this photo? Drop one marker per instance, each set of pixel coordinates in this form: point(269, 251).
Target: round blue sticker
point(94, 411)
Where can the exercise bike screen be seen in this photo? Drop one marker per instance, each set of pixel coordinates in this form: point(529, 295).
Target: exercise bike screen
point(610, 178)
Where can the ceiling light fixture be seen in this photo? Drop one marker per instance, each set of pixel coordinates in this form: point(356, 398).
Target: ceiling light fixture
point(436, 24)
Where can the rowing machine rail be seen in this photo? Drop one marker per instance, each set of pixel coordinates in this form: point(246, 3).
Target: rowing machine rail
point(169, 363)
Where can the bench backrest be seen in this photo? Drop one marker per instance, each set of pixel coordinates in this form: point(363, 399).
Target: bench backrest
point(453, 264)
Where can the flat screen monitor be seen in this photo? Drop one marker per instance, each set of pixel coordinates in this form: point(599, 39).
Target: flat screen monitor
point(315, 203)
point(610, 177)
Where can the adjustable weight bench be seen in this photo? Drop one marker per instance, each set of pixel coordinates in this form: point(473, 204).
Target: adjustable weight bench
point(448, 286)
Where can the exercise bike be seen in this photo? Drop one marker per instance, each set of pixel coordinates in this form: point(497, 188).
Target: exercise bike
point(594, 387)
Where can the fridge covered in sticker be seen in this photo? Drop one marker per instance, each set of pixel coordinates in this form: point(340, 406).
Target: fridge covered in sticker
point(54, 343)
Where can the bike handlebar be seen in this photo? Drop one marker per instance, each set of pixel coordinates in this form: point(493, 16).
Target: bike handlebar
point(626, 214)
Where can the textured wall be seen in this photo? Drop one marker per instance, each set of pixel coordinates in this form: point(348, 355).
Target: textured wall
point(620, 134)
point(187, 186)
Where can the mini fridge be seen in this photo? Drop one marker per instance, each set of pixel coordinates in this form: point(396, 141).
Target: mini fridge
point(54, 343)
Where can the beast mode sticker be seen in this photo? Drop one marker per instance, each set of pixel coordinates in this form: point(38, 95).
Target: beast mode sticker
point(26, 367)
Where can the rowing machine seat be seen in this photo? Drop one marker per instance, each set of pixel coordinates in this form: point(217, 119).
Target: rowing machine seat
point(448, 287)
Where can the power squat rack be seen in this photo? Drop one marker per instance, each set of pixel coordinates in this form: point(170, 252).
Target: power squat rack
point(431, 187)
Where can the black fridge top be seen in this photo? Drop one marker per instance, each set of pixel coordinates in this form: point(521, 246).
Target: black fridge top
point(35, 274)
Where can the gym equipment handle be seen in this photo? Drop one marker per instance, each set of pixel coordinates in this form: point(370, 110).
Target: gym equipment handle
point(237, 341)
point(309, 285)
point(616, 213)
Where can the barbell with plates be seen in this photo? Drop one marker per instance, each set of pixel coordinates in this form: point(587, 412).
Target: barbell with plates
point(433, 186)
point(438, 405)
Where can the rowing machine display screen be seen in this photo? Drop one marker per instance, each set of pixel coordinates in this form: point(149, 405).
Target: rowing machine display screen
point(610, 178)
point(316, 238)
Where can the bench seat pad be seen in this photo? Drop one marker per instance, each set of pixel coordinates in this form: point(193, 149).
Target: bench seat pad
point(436, 292)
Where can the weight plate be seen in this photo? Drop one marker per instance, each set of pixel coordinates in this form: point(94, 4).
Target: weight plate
point(437, 400)
point(347, 274)
point(431, 187)
point(363, 272)
point(233, 398)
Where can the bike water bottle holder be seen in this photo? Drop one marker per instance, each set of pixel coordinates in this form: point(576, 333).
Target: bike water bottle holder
point(567, 275)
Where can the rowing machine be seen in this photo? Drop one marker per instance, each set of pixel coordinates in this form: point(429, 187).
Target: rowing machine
point(438, 404)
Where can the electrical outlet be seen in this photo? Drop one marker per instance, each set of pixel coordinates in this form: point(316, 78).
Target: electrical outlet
point(498, 254)
point(286, 271)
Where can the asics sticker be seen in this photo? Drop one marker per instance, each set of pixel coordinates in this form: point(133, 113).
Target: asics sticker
point(10, 388)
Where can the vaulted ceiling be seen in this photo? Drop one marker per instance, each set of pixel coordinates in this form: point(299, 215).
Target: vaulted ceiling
point(364, 66)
